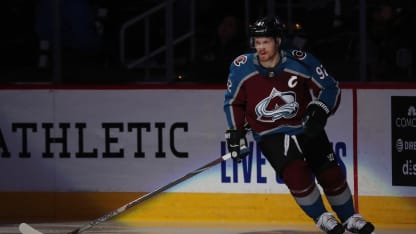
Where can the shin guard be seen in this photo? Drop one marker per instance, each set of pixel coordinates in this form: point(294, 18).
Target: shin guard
point(299, 179)
point(338, 193)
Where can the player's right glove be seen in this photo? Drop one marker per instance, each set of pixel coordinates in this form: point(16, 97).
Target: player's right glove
point(314, 119)
point(236, 139)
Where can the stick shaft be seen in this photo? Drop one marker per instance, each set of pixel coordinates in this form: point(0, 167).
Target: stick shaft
point(149, 195)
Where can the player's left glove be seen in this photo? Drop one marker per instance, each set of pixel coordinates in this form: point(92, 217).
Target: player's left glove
point(236, 139)
point(314, 119)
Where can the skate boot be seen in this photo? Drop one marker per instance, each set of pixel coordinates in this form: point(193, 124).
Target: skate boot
point(329, 224)
point(356, 224)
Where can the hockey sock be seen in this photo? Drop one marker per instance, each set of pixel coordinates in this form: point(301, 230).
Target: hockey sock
point(338, 193)
point(312, 204)
point(344, 211)
point(301, 183)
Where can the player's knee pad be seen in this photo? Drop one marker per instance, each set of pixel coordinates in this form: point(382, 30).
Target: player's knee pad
point(298, 178)
point(332, 180)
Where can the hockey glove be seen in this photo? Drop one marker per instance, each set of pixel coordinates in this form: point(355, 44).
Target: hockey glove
point(314, 119)
point(235, 140)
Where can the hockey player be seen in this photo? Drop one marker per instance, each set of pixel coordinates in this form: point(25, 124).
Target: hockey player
point(285, 97)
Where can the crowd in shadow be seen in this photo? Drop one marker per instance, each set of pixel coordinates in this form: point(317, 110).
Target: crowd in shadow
point(391, 45)
point(215, 56)
point(89, 43)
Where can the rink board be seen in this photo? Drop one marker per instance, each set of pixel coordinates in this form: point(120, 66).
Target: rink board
point(119, 144)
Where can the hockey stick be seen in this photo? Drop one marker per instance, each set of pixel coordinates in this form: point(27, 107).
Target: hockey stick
point(25, 228)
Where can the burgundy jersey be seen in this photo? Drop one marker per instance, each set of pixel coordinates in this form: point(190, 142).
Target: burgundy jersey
point(274, 100)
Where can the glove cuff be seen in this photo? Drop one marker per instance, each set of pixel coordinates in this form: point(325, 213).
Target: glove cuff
point(322, 105)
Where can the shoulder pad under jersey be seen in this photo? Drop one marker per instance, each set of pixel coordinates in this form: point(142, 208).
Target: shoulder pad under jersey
point(304, 57)
point(242, 66)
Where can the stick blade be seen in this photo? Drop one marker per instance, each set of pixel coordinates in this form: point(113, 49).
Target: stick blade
point(25, 228)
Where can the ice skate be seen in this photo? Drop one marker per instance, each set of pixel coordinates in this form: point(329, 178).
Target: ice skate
point(356, 224)
point(329, 224)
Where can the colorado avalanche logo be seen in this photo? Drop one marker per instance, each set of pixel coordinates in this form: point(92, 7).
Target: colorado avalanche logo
point(240, 60)
point(299, 54)
point(276, 106)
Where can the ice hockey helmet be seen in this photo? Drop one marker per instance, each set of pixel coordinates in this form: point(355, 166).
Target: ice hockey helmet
point(266, 27)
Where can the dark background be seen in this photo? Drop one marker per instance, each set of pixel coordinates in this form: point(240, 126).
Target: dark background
point(78, 41)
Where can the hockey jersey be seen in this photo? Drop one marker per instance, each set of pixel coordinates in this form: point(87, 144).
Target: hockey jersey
point(274, 100)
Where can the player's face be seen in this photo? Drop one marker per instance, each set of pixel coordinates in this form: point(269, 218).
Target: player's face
point(266, 49)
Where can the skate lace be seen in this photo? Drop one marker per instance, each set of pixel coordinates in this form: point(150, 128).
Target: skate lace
point(356, 223)
point(327, 222)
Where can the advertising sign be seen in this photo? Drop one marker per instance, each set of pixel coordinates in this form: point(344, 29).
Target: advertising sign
point(403, 137)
